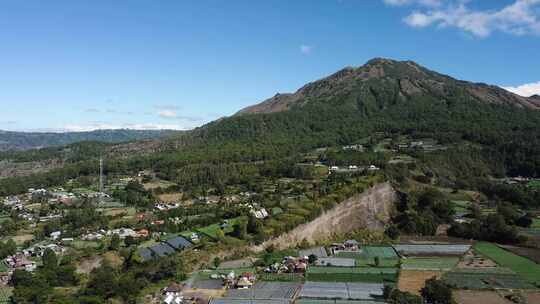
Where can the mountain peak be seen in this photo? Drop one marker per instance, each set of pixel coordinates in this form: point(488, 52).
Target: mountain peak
point(382, 76)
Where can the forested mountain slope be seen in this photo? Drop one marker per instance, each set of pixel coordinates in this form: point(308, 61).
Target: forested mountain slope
point(492, 128)
point(31, 140)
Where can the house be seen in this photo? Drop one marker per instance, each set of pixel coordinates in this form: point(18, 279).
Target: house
point(19, 261)
point(162, 250)
point(245, 280)
point(179, 243)
point(372, 168)
point(173, 294)
point(55, 235)
point(143, 233)
point(334, 168)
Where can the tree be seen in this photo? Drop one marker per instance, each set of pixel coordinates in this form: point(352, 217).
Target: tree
point(377, 261)
point(49, 259)
point(8, 248)
point(216, 262)
point(392, 232)
point(115, 242)
point(312, 259)
point(240, 229)
point(437, 292)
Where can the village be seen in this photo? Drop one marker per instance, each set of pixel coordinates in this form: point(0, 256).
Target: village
point(143, 219)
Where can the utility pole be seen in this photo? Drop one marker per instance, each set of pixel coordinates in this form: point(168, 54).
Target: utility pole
point(101, 176)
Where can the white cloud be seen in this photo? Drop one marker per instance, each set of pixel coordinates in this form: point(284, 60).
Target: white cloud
point(519, 18)
point(105, 126)
point(167, 114)
point(526, 90)
point(306, 49)
point(409, 2)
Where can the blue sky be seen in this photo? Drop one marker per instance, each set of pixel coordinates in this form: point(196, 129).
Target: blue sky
point(80, 65)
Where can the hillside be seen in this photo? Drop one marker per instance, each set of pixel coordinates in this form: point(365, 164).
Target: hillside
point(493, 132)
point(31, 140)
point(404, 80)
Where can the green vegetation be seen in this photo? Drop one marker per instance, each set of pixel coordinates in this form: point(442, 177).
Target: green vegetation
point(526, 268)
point(352, 274)
point(432, 263)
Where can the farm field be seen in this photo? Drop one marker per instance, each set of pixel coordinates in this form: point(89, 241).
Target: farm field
point(266, 290)
point(414, 280)
point(352, 274)
point(529, 253)
point(524, 267)
point(435, 263)
point(484, 280)
point(387, 256)
point(5, 294)
point(477, 296)
point(346, 291)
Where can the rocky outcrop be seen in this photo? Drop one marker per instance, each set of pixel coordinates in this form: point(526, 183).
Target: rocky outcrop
point(369, 209)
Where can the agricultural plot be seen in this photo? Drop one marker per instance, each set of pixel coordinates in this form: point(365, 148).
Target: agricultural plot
point(479, 280)
point(266, 290)
point(525, 268)
point(413, 280)
point(340, 262)
point(281, 277)
point(432, 250)
point(352, 274)
point(529, 253)
point(386, 254)
point(5, 294)
point(345, 291)
point(476, 297)
point(247, 301)
point(435, 264)
point(313, 301)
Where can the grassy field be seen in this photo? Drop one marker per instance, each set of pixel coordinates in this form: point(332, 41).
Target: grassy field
point(213, 229)
point(536, 223)
point(525, 268)
point(435, 263)
point(460, 206)
point(387, 256)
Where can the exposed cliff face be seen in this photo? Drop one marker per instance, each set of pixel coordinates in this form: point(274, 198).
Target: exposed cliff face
point(369, 209)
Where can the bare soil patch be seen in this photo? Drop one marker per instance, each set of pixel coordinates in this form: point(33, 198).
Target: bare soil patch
point(471, 260)
point(113, 258)
point(413, 280)
point(171, 197)
point(532, 297)
point(20, 239)
point(89, 264)
point(479, 297)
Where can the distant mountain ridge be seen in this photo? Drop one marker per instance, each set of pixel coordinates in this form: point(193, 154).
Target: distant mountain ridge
point(406, 79)
point(10, 140)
